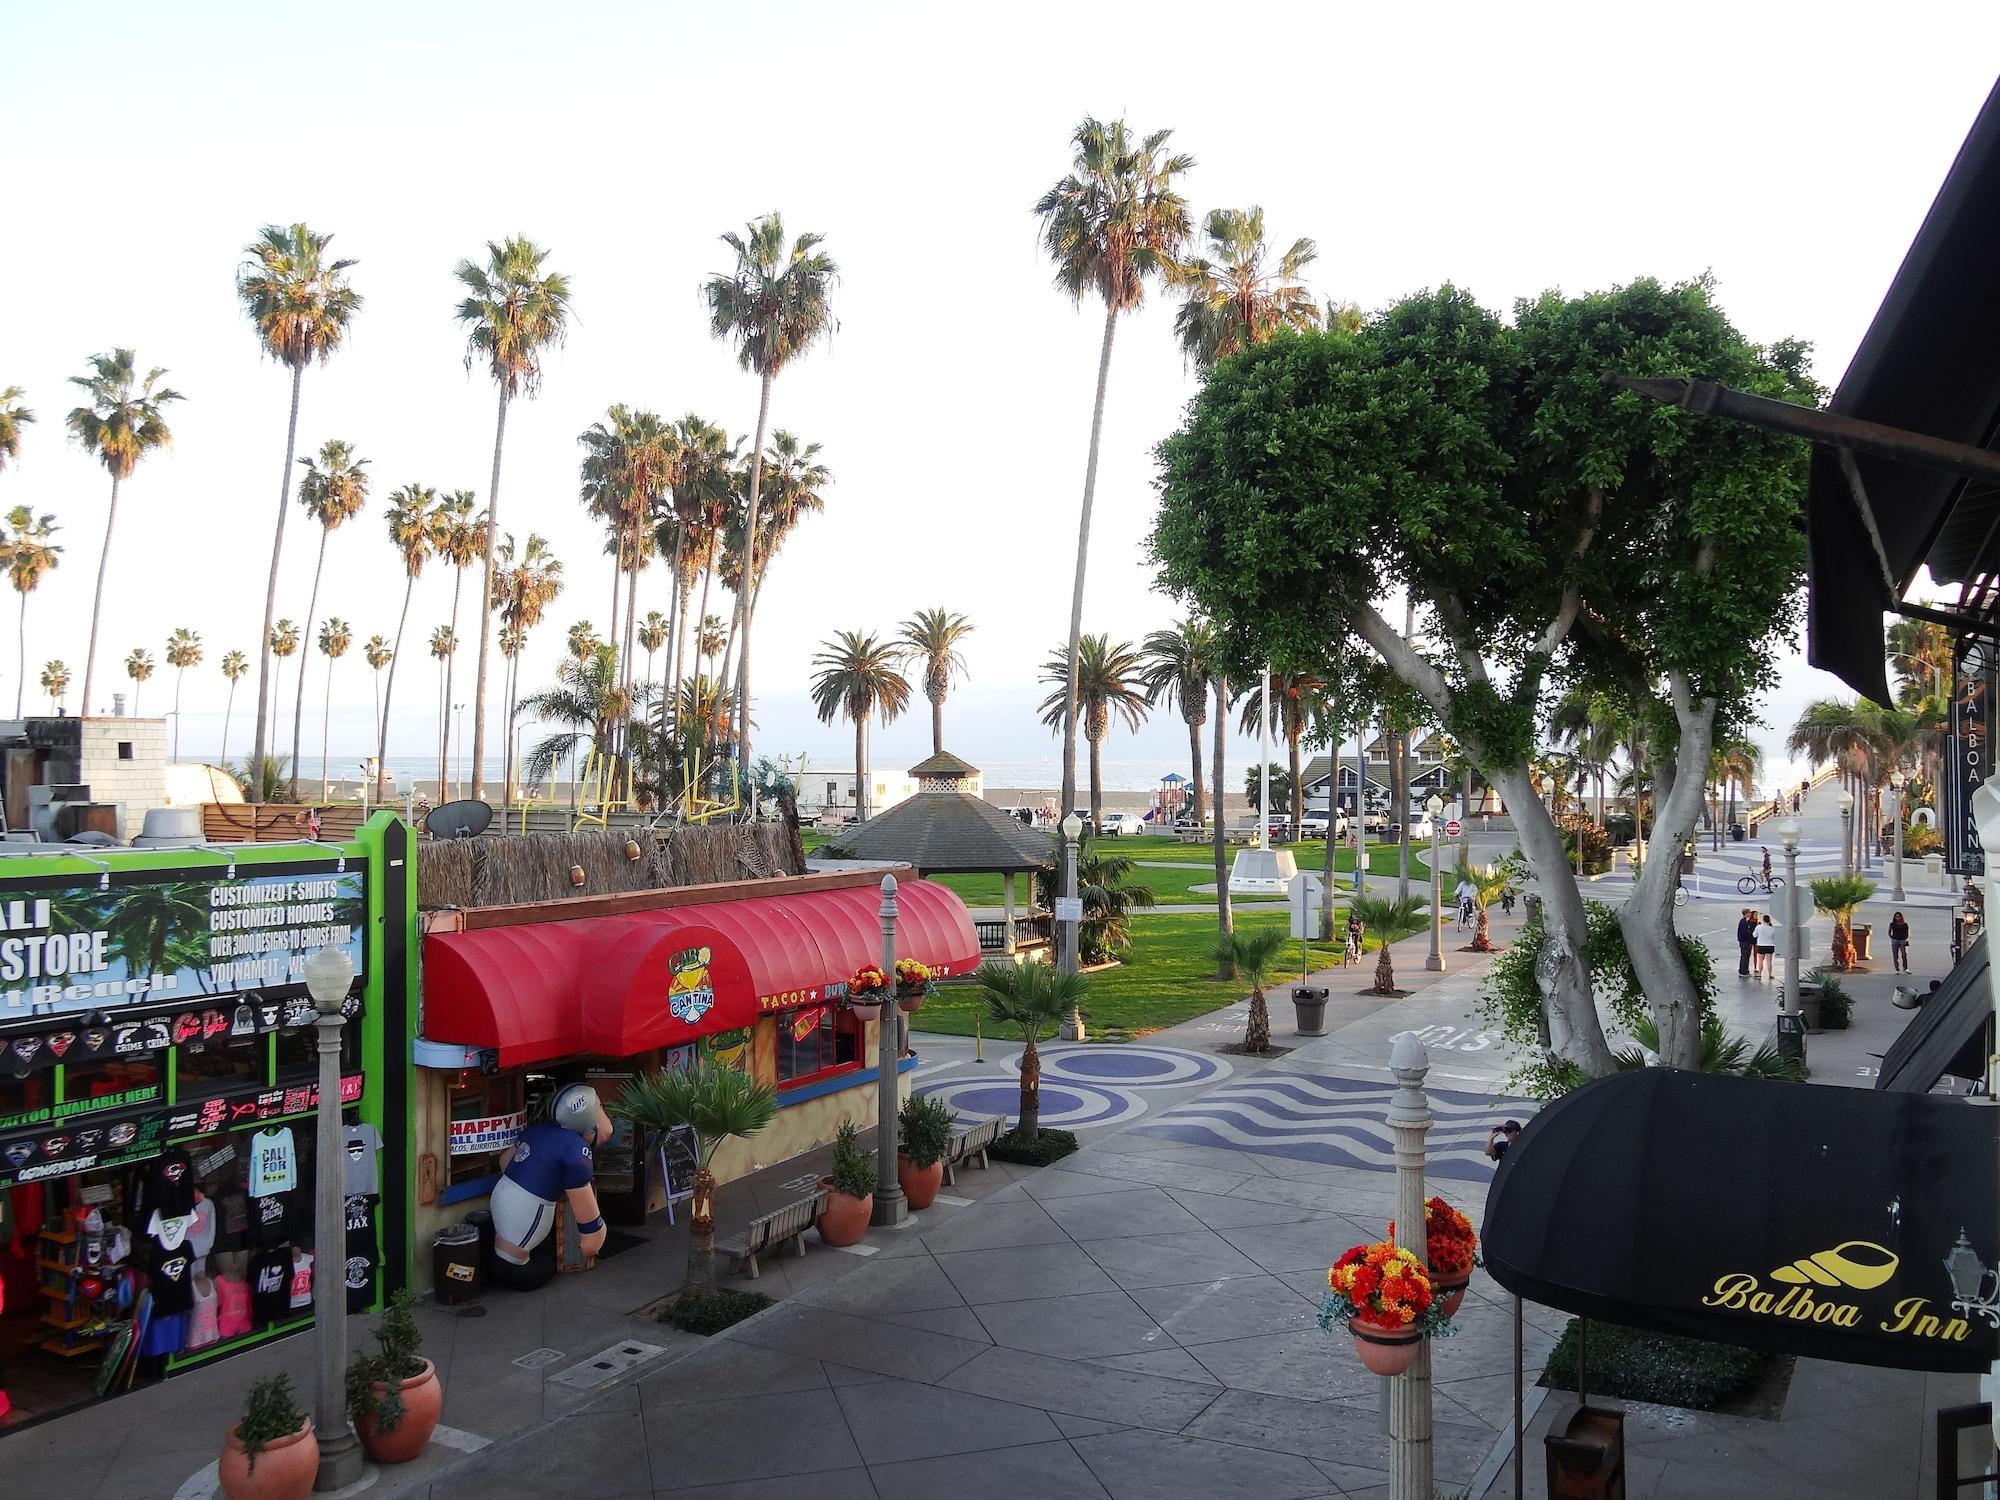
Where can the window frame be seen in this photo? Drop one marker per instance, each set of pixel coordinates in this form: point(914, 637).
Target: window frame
point(844, 1021)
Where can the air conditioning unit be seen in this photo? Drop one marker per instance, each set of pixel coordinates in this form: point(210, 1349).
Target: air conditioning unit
point(45, 804)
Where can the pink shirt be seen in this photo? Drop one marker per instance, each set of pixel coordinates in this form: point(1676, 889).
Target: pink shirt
point(232, 1298)
point(302, 1279)
point(204, 1321)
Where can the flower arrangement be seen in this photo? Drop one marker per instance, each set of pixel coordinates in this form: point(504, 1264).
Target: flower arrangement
point(868, 988)
point(1449, 1241)
point(913, 984)
point(1386, 1298)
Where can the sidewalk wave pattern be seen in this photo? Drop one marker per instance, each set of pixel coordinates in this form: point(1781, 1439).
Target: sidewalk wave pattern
point(1336, 1122)
point(1718, 870)
point(1084, 1086)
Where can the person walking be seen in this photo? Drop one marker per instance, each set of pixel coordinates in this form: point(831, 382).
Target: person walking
point(1767, 945)
point(1767, 867)
point(1797, 802)
point(1899, 943)
point(1746, 938)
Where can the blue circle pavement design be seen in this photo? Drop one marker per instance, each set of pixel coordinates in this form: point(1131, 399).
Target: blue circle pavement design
point(1129, 1066)
point(1066, 1105)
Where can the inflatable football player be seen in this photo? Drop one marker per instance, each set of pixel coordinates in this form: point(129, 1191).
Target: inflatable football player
point(551, 1159)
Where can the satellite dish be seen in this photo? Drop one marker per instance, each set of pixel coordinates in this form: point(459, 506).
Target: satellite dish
point(464, 819)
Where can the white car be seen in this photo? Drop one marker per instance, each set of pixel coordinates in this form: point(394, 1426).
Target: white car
point(1313, 826)
point(1122, 823)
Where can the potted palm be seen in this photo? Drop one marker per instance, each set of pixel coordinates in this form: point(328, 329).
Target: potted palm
point(1033, 997)
point(393, 1395)
point(1837, 896)
point(1253, 955)
point(271, 1453)
point(924, 1129)
point(850, 1189)
point(715, 1102)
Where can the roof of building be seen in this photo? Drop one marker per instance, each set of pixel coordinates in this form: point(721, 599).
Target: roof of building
point(943, 832)
point(944, 763)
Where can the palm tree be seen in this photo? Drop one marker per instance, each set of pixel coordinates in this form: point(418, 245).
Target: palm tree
point(462, 542)
point(793, 479)
point(1105, 886)
point(28, 554)
point(334, 490)
point(138, 667)
point(378, 654)
point(1033, 997)
point(1920, 650)
point(124, 421)
point(717, 1103)
point(1489, 883)
point(1734, 762)
point(334, 639)
point(627, 467)
point(1233, 300)
point(708, 638)
point(513, 312)
point(1100, 680)
point(776, 304)
point(184, 651)
point(234, 666)
point(300, 304)
point(55, 682)
point(524, 587)
point(590, 704)
point(13, 417)
point(1179, 669)
point(417, 532)
point(703, 486)
point(652, 635)
point(856, 677)
point(284, 645)
point(1837, 896)
point(583, 640)
point(1254, 955)
point(1595, 728)
point(1390, 918)
point(1295, 698)
point(1844, 733)
point(931, 636)
point(1117, 219)
point(444, 642)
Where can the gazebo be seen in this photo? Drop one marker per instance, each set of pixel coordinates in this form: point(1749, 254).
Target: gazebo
point(945, 830)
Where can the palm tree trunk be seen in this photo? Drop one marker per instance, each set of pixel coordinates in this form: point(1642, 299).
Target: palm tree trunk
point(485, 611)
point(1194, 756)
point(1096, 782)
point(97, 599)
point(749, 577)
point(1083, 557)
point(325, 719)
point(21, 657)
point(299, 699)
point(389, 691)
point(228, 708)
point(1030, 1120)
point(266, 694)
point(450, 662)
point(1332, 842)
point(674, 612)
point(861, 768)
point(1298, 785)
point(937, 726)
point(1225, 920)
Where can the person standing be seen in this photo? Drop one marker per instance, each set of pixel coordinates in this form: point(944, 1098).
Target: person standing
point(1899, 943)
point(1766, 944)
point(1746, 938)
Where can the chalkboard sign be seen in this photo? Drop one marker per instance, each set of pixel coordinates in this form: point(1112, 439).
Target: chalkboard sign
point(678, 1159)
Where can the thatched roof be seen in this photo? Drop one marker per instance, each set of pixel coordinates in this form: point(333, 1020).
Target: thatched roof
point(943, 832)
point(469, 873)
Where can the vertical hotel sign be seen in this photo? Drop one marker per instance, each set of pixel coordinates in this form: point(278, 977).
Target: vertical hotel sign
point(1968, 753)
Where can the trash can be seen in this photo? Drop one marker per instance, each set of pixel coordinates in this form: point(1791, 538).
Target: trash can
point(1862, 931)
point(1586, 1456)
point(456, 1273)
point(1736, 833)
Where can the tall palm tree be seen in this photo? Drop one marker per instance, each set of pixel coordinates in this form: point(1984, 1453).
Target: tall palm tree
point(335, 637)
point(184, 651)
point(708, 638)
point(1117, 220)
point(856, 677)
point(652, 635)
point(1295, 699)
point(583, 640)
point(931, 637)
point(793, 479)
point(123, 422)
point(1109, 680)
point(235, 666)
point(417, 533)
point(513, 312)
point(776, 304)
point(138, 667)
point(703, 490)
point(300, 304)
point(1844, 733)
point(1595, 728)
point(334, 490)
point(378, 653)
point(627, 468)
point(1733, 762)
point(284, 645)
point(462, 542)
point(27, 554)
point(524, 586)
point(1920, 650)
point(444, 642)
point(1180, 668)
point(13, 417)
point(1234, 299)
point(55, 682)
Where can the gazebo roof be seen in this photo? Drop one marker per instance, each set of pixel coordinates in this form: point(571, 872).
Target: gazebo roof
point(944, 832)
point(944, 763)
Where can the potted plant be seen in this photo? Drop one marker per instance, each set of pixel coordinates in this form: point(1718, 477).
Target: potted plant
point(393, 1395)
point(1449, 1247)
point(866, 991)
point(925, 1129)
point(850, 1189)
point(1383, 1295)
point(913, 985)
point(271, 1454)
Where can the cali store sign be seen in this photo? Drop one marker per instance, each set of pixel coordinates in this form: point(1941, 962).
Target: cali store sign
point(173, 936)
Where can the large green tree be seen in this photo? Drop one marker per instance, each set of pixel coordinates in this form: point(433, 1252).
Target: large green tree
point(1552, 530)
point(929, 639)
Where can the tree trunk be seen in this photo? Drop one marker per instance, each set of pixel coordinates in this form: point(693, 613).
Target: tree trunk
point(97, 599)
point(1332, 842)
point(485, 610)
point(305, 648)
point(937, 725)
point(1385, 970)
point(701, 1232)
point(1257, 1032)
point(861, 768)
point(325, 720)
point(389, 693)
point(228, 709)
point(749, 577)
point(1225, 966)
point(21, 659)
point(1194, 756)
point(1030, 1120)
point(676, 607)
point(450, 662)
point(266, 696)
point(1096, 784)
point(1082, 558)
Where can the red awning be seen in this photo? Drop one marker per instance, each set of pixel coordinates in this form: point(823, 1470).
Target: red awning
point(619, 985)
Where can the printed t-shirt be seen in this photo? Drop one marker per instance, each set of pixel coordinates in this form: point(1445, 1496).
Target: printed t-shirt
point(360, 1268)
point(169, 1232)
point(269, 1217)
point(273, 1162)
point(201, 1233)
point(361, 1143)
point(302, 1278)
point(170, 1277)
point(549, 1160)
point(232, 1299)
point(271, 1284)
point(169, 1184)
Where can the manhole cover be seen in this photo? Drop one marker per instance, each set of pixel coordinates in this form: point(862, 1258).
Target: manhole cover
point(537, 1359)
point(609, 1365)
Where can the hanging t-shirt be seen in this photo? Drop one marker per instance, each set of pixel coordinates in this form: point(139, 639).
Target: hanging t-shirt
point(232, 1304)
point(201, 1233)
point(169, 1184)
point(205, 1321)
point(271, 1284)
point(274, 1164)
point(268, 1219)
point(169, 1232)
point(234, 1231)
point(361, 1252)
point(362, 1143)
point(302, 1278)
point(170, 1277)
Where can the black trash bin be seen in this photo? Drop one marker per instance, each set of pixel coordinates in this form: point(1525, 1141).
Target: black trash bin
point(457, 1271)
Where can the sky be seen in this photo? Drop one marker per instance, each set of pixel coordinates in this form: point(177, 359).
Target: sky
point(1508, 149)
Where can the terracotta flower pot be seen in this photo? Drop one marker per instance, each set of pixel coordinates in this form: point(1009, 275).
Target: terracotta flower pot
point(865, 1007)
point(920, 1184)
point(285, 1468)
point(423, 1401)
point(1385, 1348)
point(909, 1004)
point(844, 1219)
point(1450, 1294)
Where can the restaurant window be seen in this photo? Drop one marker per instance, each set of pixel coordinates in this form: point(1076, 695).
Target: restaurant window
point(481, 1106)
point(815, 1041)
point(109, 1076)
point(223, 1063)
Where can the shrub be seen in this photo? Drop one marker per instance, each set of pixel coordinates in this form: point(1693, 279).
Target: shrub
point(1836, 1006)
point(1657, 1367)
point(710, 1311)
point(925, 1128)
point(1579, 832)
point(397, 1340)
point(1047, 1146)
point(853, 1169)
point(269, 1413)
point(1920, 839)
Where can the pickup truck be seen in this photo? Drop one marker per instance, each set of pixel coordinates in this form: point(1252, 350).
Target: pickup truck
point(1313, 826)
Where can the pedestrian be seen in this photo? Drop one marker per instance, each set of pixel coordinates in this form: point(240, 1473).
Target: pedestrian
point(1501, 1137)
point(1795, 804)
point(1767, 867)
point(1746, 938)
point(1355, 932)
point(1766, 943)
point(1899, 943)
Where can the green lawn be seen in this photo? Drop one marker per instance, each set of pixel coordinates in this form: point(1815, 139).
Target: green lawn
point(1174, 887)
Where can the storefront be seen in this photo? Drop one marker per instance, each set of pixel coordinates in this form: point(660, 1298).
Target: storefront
point(157, 1099)
point(521, 1000)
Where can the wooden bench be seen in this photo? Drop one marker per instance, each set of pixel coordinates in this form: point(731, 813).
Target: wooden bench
point(970, 1142)
point(769, 1232)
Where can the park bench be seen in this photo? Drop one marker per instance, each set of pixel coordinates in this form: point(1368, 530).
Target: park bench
point(769, 1232)
point(969, 1142)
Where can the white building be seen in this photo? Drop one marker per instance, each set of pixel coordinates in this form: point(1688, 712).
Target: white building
point(830, 792)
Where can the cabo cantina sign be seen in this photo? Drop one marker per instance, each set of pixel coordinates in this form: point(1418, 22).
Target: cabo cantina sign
point(1822, 1288)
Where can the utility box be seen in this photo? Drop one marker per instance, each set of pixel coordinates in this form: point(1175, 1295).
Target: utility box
point(1586, 1459)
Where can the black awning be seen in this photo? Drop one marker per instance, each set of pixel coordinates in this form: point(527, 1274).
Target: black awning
point(1929, 363)
point(1952, 1034)
point(1795, 1217)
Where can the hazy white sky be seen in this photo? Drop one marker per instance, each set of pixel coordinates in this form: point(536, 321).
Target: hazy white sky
point(1507, 148)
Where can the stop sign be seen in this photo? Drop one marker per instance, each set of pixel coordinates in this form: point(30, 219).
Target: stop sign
point(1453, 828)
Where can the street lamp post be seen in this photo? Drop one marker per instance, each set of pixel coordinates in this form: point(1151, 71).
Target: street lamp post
point(329, 975)
point(1409, 1120)
point(1435, 963)
point(1069, 918)
point(1895, 810)
point(1791, 1027)
point(891, 1207)
point(1846, 841)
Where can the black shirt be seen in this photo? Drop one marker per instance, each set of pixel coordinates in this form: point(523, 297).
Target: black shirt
point(168, 1186)
point(1746, 930)
point(269, 1217)
point(1899, 931)
point(271, 1284)
point(170, 1278)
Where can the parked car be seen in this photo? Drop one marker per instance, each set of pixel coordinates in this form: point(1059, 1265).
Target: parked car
point(1313, 825)
point(1122, 824)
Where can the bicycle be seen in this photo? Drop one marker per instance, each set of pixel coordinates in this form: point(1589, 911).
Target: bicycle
point(1682, 896)
point(1750, 885)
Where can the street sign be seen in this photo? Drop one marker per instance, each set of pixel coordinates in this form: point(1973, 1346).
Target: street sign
point(1453, 829)
point(1308, 893)
point(1069, 908)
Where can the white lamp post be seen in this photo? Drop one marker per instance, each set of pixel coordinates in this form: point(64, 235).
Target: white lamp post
point(1846, 842)
point(1068, 919)
point(891, 1207)
point(329, 976)
point(1435, 963)
point(1895, 810)
point(1788, 835)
